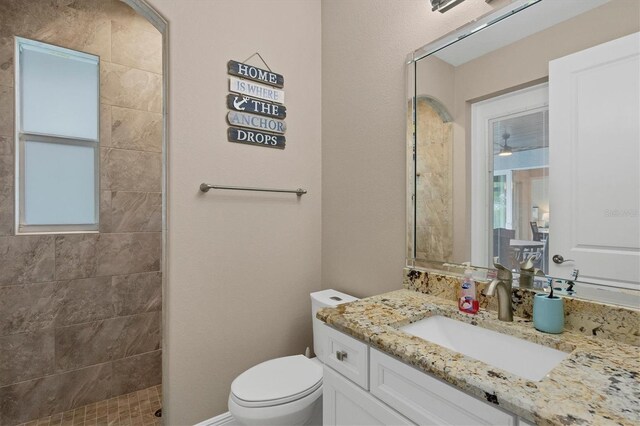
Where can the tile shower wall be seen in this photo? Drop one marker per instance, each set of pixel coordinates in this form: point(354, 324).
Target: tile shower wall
point(434, 202)
point(80, 313)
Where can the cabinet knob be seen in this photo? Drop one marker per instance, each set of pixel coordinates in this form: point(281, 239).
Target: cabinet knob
point(341, 355)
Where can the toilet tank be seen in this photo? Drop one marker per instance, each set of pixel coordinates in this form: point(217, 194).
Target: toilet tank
point(324, 299)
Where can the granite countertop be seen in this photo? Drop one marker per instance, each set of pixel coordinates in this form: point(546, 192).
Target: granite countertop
point(598, 383)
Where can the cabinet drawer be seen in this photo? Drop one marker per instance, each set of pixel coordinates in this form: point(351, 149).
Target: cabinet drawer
point(347, 356)
point(344, 403)
point(427, 400)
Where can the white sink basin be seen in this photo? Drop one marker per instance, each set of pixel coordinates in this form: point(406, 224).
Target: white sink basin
point(520, 357)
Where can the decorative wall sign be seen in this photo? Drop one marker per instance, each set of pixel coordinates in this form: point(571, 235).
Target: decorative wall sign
point(256, 90)
point(256, 74)
point(250, 98)
point(256, 106)
point(253, 137)
point(253, 121)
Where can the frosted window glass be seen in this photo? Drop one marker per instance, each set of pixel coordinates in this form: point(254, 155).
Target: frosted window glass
point(59, 184)
point(59, 93)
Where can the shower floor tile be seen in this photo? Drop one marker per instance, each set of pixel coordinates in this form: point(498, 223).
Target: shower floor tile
point(133, 409)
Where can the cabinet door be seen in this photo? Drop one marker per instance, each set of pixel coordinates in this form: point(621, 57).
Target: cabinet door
point(348, 356)
point(427, 400)
point(344, 403)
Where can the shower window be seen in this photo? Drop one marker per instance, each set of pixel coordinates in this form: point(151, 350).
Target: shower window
point(57, 139)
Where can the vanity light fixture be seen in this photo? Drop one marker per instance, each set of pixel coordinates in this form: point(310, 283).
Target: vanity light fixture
point(506, 150)
point(444, 5)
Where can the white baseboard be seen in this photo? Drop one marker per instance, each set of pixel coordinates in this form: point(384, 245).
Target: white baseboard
point(225, 419)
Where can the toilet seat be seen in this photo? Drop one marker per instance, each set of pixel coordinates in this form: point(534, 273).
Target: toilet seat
point(294, 413)
point(276, 382)
point(273, 402)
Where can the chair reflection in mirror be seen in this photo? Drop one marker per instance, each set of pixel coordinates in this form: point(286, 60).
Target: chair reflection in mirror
point(537, 235)
point(502, 248)
point(536, 250)
point(542, 255)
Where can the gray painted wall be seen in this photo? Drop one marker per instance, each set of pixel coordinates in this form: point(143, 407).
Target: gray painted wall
point(364, 47)
point(241, 264)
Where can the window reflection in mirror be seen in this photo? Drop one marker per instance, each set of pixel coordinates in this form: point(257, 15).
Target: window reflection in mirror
point(520, 196)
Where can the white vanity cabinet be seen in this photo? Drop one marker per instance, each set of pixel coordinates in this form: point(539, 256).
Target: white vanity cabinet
point(427, 400)
point(344, 403)
point(364, 386)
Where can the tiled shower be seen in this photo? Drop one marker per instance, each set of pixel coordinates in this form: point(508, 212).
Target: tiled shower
point(80, 314)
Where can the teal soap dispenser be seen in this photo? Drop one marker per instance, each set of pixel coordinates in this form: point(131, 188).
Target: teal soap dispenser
point(548, 313)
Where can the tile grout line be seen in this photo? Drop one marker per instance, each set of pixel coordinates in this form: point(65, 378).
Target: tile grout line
point(104, 102)
point(82, 368)
point(129, 108)
point(53, 320)
point(54, 327)
point(118, 148)
point(106, 319)
point(137, 68)
point(89, 278)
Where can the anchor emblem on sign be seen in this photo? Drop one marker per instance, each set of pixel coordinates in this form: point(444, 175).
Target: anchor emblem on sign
point(237, 103)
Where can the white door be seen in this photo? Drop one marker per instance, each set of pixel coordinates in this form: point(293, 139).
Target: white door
point(483, 116)
point(594, 131)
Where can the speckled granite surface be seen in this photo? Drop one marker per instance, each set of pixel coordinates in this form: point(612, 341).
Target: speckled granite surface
point(600, 320)
point(598, 383)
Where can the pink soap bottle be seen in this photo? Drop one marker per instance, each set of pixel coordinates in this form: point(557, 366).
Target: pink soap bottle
point(468, 301)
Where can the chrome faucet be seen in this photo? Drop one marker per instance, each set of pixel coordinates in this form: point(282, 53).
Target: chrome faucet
point(503, 283)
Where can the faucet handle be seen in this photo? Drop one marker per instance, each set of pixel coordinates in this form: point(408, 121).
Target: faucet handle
point(504, 273)
point(497, 265)
point(527, 264)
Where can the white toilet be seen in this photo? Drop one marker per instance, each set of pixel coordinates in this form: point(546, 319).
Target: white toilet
point(288, 390)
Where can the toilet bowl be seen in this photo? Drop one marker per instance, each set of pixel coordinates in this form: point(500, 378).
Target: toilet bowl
point(285, 391)
point(281, 391)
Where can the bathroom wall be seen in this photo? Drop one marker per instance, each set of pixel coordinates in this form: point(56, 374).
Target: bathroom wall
point(80, 313)
point(364, 47)
point(241, 264)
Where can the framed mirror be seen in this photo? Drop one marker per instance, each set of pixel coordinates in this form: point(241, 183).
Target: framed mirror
point(523, 143)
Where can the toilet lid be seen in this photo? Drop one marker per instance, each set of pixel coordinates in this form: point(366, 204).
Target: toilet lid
point(277, 381)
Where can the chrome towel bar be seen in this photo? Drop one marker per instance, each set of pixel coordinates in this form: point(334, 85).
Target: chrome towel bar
point(205, 187)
